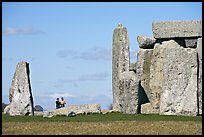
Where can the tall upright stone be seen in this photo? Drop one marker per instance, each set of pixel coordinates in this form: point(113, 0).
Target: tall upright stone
point(124, 85)
point(20, 96)
point(199, 51)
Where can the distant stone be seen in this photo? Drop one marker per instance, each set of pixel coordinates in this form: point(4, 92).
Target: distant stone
point(145, 42)
point(38, 113)
point(38, 108)
point(71, 114)
point(77, 109)
point(174, 29)
point(48, 114)
point(20, 96)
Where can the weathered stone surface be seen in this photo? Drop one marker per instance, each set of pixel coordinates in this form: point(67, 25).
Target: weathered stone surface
point(145, 42)
point(199, 51)
point(20, 96)
point(179, 88)
point(191, 43)
point(48, 114)
point(38, 113)
point(120, 61)
point(144, 57)
point(124, 82)
point(173, 29)
point(128, 93)
point(78, 109)
point(156, 77)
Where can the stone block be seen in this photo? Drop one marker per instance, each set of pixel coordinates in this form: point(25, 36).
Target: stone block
point(174, 29)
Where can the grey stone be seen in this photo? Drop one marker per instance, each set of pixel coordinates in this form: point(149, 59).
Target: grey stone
point(191, 43)
point(71, 114)
point(38, 108)
point(48, 114)
point(20, 96)
point(179, 88)
point(145, 42)
point(124, 81)
point(78, 109)
point(128, 93)
point(199, 51)
point(173, 29)
point(144, 58)
point(156, 77)
point(120, 61)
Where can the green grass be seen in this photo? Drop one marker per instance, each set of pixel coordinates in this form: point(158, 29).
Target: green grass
point(99, 124)
point(101, 118)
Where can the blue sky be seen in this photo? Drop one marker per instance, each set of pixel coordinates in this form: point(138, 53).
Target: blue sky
point(69, 45)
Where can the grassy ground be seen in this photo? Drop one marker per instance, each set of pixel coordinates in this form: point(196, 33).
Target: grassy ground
point(98, 124)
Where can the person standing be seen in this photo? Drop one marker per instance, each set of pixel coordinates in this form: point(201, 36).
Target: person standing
point(62, 102)
point(57, 103)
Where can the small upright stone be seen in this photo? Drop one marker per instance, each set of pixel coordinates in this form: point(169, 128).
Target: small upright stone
point(20, 96)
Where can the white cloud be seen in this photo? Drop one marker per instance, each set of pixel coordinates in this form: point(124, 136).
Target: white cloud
point(25, 30)
point(67, 53)
point(95, 53)
point(88, 77)
point(61, 94)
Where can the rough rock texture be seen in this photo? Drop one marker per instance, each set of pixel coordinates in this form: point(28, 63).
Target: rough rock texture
point(120, 62)
point(145, 42)
point(128, 93)
point(78, 109)
point(179, 88)
point(199, 51)
point(191, 43)
point(156, 77)
point(20, 96)
point(172, 29)
point(123, 80)
point(144, 57)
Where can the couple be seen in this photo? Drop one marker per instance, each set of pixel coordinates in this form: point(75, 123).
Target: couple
point(60, 103)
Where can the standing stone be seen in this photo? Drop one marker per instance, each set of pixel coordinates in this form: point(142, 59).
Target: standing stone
point(156, 77)
point(144, 57)
point(128, 89)
point(20, 96)
point(123, 80)
point(174, 29)
point(199, 51)
point(179, 88)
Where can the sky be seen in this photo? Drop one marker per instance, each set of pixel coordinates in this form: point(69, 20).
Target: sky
point(68, 45)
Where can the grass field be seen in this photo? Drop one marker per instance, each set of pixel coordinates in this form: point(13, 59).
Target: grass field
point(99, 124)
